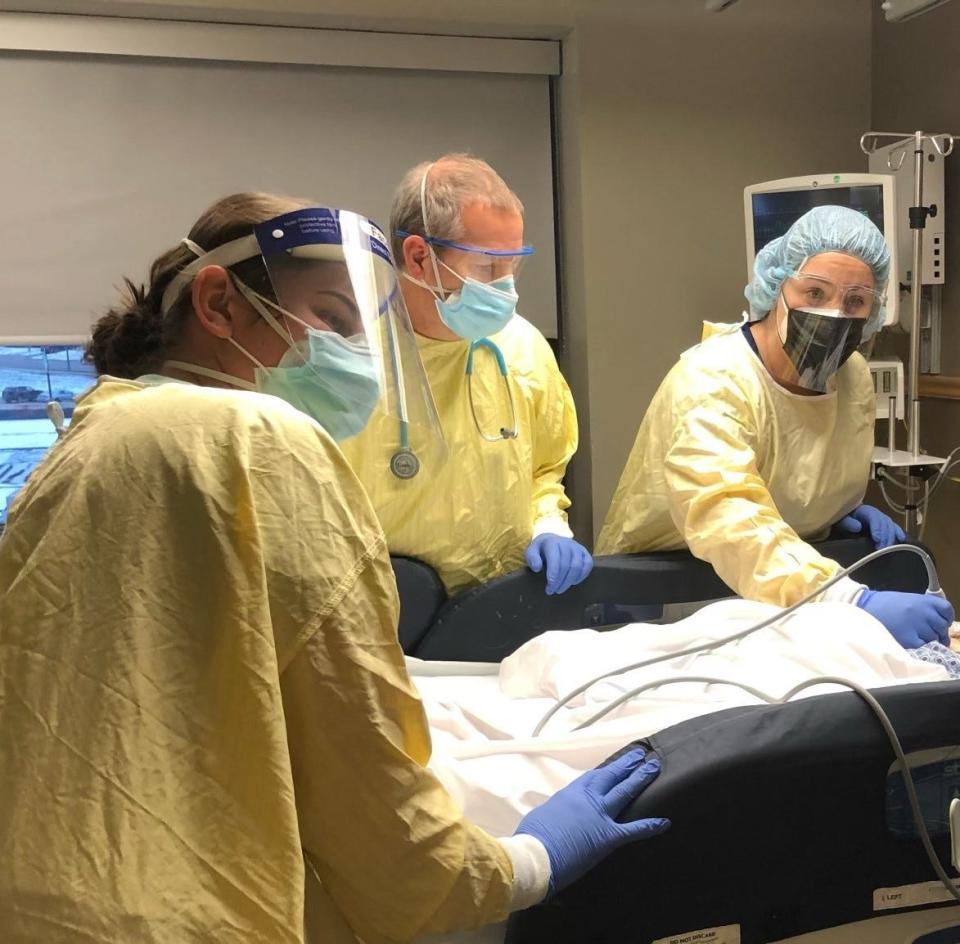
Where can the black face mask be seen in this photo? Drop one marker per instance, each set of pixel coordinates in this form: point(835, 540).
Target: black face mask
point(818, 344)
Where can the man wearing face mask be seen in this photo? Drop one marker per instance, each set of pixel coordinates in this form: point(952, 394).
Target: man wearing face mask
point(760, 438)
point(506, 411)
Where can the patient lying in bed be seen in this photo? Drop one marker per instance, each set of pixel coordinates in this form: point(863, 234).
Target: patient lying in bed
point(482, 724)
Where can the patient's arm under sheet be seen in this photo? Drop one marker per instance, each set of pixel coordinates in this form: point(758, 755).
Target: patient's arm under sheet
point(481, 724)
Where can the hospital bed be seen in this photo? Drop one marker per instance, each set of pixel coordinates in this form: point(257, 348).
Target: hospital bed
point(787, 821)
point(790, 822)
point(489, 622)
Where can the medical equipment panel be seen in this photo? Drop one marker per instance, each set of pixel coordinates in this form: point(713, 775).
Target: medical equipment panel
point(888, 385)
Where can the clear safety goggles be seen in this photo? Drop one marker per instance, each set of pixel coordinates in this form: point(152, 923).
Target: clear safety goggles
point(476, 262)
point(331, 270)
point(805, 290)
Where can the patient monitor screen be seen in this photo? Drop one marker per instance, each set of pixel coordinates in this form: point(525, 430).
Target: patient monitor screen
point(775, 212)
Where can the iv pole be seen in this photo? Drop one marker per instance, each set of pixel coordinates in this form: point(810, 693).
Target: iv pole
point(943, 143)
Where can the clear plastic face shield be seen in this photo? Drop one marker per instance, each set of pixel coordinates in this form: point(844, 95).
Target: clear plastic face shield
point(351, 354)
point(820, 322)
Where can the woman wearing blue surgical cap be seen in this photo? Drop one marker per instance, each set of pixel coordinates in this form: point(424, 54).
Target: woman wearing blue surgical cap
point(760, 438)
point(207, 730)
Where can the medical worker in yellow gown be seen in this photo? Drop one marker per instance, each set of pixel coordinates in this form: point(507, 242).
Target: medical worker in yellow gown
point(207, 731)
point(760, 437)
point(507, 414)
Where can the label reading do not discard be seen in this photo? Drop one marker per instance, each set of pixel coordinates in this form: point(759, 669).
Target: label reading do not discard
point(728, 934)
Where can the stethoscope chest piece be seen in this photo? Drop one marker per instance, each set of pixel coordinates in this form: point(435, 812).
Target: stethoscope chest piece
point(404, 464)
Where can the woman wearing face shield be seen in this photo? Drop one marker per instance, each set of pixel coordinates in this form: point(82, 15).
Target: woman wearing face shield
point(207, 730)
point(760, 437)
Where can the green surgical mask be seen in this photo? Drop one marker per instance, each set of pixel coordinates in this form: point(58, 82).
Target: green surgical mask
point(334, 380)
point(331, 378)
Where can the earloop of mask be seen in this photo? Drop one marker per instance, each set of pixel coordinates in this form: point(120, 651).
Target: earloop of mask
point(440, 295)
point(228, 379)
point(260, 303)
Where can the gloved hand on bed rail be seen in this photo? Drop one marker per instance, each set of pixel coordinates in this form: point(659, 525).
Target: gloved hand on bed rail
point(578, 825)
point(914, 619)
point(567, 561)
point(880, 528)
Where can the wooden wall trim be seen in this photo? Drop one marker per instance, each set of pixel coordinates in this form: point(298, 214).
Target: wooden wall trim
point(941, 387)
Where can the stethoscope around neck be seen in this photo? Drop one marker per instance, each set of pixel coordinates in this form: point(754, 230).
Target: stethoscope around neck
point(506, 432)
point(404, 463)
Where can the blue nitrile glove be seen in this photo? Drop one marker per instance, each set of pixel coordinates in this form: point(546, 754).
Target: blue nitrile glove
point(578, 826)
point(914, 619)
point(883, 530)
point(568, 562)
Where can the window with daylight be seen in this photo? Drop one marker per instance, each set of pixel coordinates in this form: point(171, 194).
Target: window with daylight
point(32, 377)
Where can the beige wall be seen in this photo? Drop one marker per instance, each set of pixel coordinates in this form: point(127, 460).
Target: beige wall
point(678, 111)
point(666, 113)
point(916, 84)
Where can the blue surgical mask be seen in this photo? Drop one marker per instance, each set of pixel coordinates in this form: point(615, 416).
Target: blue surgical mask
point(329, 377)
point(479, 309)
